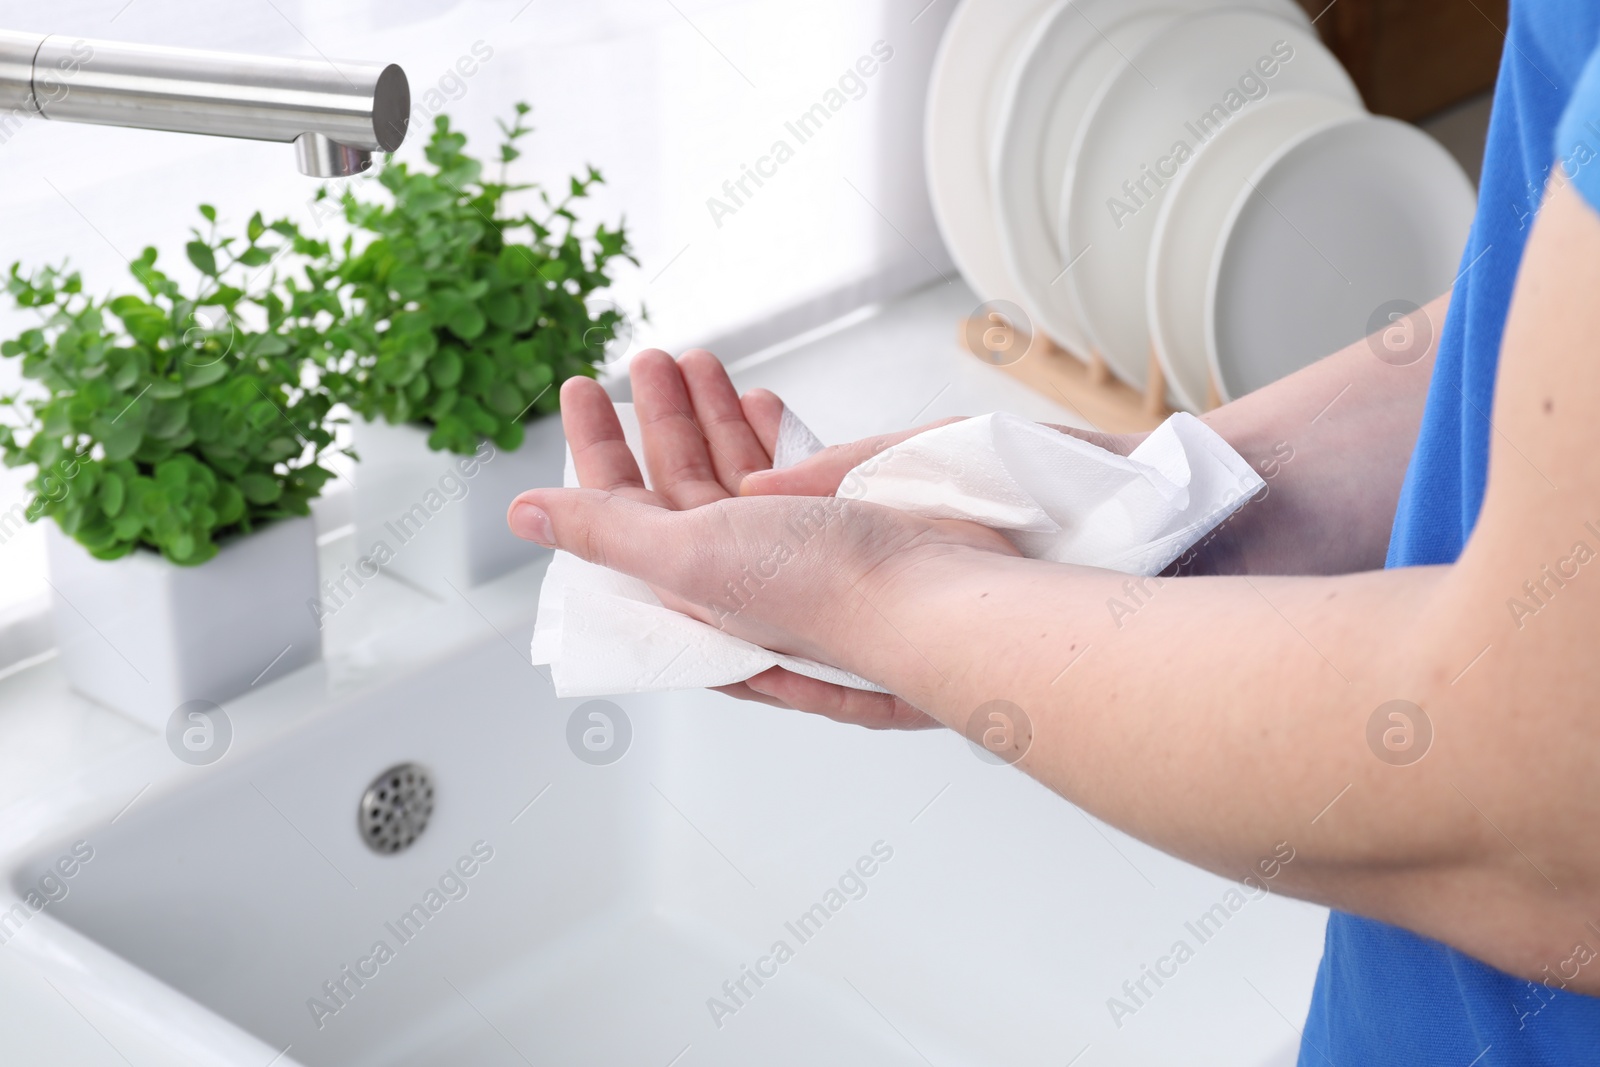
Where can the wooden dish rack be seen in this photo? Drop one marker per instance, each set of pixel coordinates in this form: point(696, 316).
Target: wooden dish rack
point(1086, 386)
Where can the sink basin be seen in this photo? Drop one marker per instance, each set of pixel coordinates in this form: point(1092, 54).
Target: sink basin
point(931, 907)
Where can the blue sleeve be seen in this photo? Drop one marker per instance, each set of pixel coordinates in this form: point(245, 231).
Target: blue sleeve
point(1578, 134)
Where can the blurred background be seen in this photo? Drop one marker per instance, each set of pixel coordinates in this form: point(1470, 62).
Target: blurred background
point(668, 100)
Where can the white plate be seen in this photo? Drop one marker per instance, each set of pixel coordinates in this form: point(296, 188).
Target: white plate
point(1144, 126)
point(1190, 223)
point(1073, 49)
point(1328, 234)
point(969, 70)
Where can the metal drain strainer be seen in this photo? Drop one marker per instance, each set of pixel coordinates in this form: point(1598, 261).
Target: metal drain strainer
point(396, 808)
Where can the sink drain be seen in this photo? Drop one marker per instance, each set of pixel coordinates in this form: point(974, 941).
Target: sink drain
point(396, 807)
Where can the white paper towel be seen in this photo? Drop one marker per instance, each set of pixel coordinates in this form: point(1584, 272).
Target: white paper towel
point(1055, 497)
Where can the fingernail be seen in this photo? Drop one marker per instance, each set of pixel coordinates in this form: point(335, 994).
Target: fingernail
point(530, 523)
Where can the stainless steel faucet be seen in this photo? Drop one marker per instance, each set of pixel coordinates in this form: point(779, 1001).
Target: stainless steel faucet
point(336, 113)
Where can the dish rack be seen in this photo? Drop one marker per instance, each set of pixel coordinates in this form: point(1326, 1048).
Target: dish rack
point(1084, 384)
point(991, 205)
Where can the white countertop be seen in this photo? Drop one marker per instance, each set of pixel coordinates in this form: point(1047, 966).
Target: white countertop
point(887, 368)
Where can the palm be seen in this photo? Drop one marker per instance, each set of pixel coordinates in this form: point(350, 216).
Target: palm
point(700, 440)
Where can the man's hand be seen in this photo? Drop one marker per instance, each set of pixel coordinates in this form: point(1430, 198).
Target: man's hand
point(701, 441)
point(825, 558)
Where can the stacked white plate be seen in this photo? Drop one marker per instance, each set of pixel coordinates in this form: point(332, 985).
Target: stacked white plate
point(1184, 184)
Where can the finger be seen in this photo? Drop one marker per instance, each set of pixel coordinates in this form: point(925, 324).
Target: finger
point(740, 691)
point(875, 711)
point(764, 412)
point(821, 474)
point(735, 450)
point(664, 548)
point(600, 452)
point(650, 543)
point(674, 448)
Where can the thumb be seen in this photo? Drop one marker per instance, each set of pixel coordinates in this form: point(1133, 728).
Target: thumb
point(597, 526)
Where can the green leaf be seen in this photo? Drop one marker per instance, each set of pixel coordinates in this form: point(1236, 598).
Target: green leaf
point(122, 439)
point(229, 502)
point(504, 399)
point(209, 212)
point(443, 402)
point(409, 280)
point(260, 488)
point(504, 309)
point(536, 377)
point(168, 419)
point(203, 258)
point(122, 305)
point(445, 368)
point(516, 262)
point(262, 415)
point(466, 322)
point(510, 437)
point(280, 449)
point(112, 494)
point(152, 502)
point(479, 374)
point(126, 373)
point(198, 377)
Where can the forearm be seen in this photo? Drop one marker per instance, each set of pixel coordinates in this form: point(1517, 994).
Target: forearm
point(1169, 707)
point(1227, 716)
point(1332, 442)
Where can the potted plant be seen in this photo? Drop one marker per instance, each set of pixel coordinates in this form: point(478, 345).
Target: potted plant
point(177, 451)
point(464, 318)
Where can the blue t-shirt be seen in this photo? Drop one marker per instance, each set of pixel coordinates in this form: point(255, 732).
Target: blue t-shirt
point(1385, 996)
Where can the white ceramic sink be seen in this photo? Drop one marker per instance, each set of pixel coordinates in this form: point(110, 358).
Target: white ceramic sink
point(617, 903)
point(620, 898)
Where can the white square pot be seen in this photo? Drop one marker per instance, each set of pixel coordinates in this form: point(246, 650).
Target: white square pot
point(143, 635)
point(437, 520)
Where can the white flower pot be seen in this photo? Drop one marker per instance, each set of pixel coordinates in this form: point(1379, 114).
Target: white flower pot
point(143, 635)
point(437, 520)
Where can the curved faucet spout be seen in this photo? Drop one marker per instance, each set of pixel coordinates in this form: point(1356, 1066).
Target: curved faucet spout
point(336, 113)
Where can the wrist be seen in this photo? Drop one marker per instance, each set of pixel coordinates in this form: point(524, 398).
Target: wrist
point(920, 614)
point(1241, 544)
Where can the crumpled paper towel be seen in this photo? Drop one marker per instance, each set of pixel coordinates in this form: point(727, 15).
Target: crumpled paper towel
point(1055, 497)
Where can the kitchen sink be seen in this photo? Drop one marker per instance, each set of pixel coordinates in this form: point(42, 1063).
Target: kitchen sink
point(725, 884)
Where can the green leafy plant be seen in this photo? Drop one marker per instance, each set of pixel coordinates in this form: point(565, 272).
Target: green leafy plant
point(164, 421)
point(464, 315)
